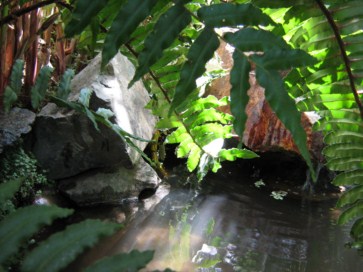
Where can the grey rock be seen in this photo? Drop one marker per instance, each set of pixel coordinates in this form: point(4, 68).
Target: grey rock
point(13, 125)
point(66, 143)
point(110, 188)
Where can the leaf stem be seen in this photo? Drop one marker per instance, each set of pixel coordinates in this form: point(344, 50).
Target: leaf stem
point(343, 51)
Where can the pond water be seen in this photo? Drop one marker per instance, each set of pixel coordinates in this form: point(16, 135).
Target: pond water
point(230, 225)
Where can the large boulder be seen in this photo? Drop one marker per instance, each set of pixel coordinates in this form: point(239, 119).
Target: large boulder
point(110, 187)
point(14, 125)
point(66, 143)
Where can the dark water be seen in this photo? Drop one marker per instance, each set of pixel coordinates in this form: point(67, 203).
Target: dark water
point(230, 225)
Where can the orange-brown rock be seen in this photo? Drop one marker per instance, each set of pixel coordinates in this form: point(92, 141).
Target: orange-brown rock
point(263, 130)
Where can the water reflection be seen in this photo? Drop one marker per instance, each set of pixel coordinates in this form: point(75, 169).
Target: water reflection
point(233, 226)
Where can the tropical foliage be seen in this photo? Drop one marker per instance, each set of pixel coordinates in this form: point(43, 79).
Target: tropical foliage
point(60, 249)
point(173, 41)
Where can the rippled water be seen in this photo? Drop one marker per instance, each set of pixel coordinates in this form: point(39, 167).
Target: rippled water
point(230, 225)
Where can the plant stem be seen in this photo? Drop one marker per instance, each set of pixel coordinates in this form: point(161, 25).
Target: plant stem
point(343, 51)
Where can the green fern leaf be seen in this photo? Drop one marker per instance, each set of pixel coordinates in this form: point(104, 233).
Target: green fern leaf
point(249, 39)
point(168, 123)
point(351, 196)
point(176, 136)
point(194, 157)
point(285, 109)
point(200, 52)
point(336, 137)
point(64, 87)
point(126, 21)
point(207, 115)
point(132, 261)
point(284, 59)
point(63, 247)
point(185, 146)
point(82, 15)
point(234, 153)
point(40, 87)
point(357, 229)
point(20, 225)
point(240, 85)
point(166, 30)
point(204, 103)
point(8, 189)
point(16, 76)
point(10, 97)
point(351, 213)
point(346, 163)
point(12, 91)
point(85, 96)
point(220, 15)
point(343, 150)
point(353, 177)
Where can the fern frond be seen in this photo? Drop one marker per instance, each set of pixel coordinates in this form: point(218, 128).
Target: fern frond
point(20, 225)
point(133, 261)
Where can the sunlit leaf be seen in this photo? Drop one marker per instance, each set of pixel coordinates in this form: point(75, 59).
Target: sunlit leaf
point(234, 153)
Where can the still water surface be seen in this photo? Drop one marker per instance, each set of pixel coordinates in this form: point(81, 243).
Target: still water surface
point(230, 225)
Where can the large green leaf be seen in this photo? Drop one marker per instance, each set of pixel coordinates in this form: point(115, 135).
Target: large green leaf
point(82, 15)
point(226, 14)
point(63, 247)
point(240, 85)
point(165, 32)
point(200, 52)
point(250, 39)
point(285, 108)
point(126, 21)
point(40, 87)
point(132, 261)
point(20, 225)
